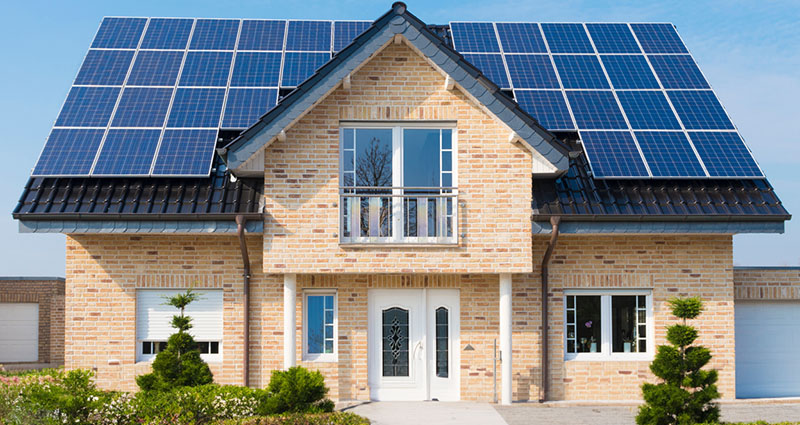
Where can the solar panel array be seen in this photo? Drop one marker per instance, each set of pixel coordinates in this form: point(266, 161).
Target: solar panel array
point(634, 94)
point(152, 93)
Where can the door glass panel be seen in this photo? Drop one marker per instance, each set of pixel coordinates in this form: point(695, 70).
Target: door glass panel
point(442, 335)
point(395, 342)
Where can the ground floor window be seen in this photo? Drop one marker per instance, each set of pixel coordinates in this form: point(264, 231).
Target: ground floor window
point(154, 318)
point(319, 326)
point(608, 324)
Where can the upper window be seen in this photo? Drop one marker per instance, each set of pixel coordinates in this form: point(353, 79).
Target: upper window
point(608, 325)
point(398, 185)
point(154, 318)
point(319, 326)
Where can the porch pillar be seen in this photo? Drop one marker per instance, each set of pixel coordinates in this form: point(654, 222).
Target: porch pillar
point(289, 320)
point(505, 338)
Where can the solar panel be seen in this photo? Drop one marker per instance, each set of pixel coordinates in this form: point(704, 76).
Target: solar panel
point(214, 34)
point(678, 72)
point(206, 69)
point(256, 69)
point(119, 33)
point(700, 110)
point(298, 66)
point(245, 106)
point(725, 154)
point(669, 154)
point(345, 31)
point(311, 36)
point(648, 110)
point(154, 68)
point(613, 38)
point(596, 110)
point(474, 37)
point(521, 37)
point(127, 152)
point(165, 33)
point(105, 68)
point(567, 38)
point(532, 72)
point(185, 152)
point(659, 38)
point(88, 107)
point(491, 65)
point(629, 72)
point(613, 154)
point(69, 151)
point(142, 107)
point(262, 35)
point(548, 107)
point(580, 72)
point(196, 108)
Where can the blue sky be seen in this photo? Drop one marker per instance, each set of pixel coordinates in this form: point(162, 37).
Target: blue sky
point(749, 51)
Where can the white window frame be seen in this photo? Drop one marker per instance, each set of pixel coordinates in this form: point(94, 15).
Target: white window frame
point(321, 357)
point(398, 223)
point(606, 330)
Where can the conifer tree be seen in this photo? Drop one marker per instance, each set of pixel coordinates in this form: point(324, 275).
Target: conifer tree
point(686, 393)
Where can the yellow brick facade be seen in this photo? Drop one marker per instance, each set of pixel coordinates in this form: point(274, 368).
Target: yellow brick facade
point(300, 237)
point(767, 283)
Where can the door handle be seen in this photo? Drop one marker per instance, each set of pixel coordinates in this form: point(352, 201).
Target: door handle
point(417, 349)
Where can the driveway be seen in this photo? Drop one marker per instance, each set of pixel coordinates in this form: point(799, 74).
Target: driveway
point(466, 413)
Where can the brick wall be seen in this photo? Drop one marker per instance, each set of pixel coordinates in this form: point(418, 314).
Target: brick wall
point(49, 294)
point(766, 283)
point(302, 179)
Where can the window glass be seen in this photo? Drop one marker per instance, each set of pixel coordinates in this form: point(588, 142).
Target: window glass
point(319, 325)
point(395, 342)
point(373, 157)
point(584, 327)
point(442, 339)
point(421, 158)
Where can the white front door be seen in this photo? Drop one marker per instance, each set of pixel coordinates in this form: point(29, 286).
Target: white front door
point(413, 344)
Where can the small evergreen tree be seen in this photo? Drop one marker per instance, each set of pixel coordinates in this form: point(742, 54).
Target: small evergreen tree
point(179, 365)
point(685, 394)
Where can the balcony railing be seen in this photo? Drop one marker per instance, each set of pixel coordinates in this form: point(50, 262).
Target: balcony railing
point(398, 215)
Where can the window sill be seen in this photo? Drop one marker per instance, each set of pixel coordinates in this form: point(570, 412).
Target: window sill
point(321, 358)
point(214, 361)
point(617, 357)
point(345, 244)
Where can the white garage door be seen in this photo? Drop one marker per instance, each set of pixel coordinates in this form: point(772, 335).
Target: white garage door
point(19, 332)
point(767, 349)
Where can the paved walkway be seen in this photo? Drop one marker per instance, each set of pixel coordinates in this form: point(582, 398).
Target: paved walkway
point(428, 412)
point(465, 413)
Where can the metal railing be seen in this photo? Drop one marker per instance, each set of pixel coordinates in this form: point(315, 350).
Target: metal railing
point(399, 215)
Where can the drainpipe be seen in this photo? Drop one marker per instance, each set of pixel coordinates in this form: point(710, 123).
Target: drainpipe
point(240, 224)
point(554, 222)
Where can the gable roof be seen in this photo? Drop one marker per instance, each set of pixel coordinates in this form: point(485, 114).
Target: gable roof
point(396, 21)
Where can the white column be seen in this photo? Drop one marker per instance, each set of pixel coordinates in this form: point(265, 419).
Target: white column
point(289, 320)
point(505, 338)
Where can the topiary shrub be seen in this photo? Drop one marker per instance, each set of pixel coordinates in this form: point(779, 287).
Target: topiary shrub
point(686, 392)
point(297, 390)
point(179, 365)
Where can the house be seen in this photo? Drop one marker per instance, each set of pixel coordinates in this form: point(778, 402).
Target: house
point(397, 218)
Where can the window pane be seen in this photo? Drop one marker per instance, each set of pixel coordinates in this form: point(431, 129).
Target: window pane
point(421, 158)
point(214, 347)
point(147, 347)
point(588, 324)
point(442, 338)
point(347, 160)
point(315, 327)
point(447, 161)
point(623, 320)
point(373, 157)
point(203, 347)
point(447, 139)
point(395, 342)
point(348, 136)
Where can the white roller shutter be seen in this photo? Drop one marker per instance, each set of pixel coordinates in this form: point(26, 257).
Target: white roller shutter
point(19, 332)
point(154, 317)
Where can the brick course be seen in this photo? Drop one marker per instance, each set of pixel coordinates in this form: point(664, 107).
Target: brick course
point(49, 294)
point(766, 283)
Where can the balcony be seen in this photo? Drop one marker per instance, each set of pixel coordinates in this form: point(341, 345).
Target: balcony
point(398, 215)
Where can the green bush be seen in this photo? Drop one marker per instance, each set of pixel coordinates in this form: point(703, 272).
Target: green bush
point(337, 418)
point(179, 365)
point(297, 390)
point(686, 393)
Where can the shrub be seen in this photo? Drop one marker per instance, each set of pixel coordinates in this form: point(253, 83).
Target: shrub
point(297, 390)
point(337, 418)
point(686, 392)
point(179, 365)
point(199, 405)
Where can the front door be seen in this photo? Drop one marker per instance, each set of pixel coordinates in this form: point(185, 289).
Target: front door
point(413, 344)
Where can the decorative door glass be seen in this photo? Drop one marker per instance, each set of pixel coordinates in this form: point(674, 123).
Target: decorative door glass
point(395, 342)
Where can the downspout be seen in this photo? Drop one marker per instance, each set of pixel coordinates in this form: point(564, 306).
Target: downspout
point(240, 224)
point(554, 222)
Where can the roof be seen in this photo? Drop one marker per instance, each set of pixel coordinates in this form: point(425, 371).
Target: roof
point(396, 21)
point(578, 196)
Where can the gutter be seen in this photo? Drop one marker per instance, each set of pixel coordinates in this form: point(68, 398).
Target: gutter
point(241, 220)
point(662, 217)
point(554, 221)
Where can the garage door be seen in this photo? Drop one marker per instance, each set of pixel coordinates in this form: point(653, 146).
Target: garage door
point(19, 332)
point(767, 349)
